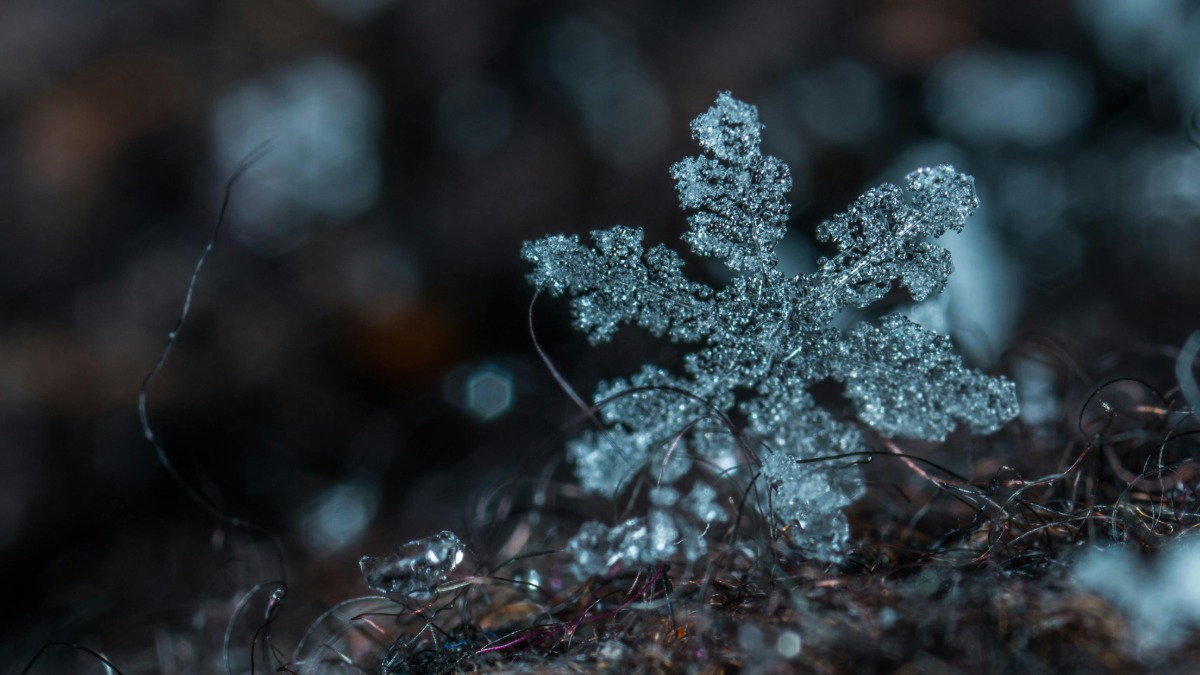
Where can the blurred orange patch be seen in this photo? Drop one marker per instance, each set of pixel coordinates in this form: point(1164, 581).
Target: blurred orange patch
point(74, 129)
point(404, 344)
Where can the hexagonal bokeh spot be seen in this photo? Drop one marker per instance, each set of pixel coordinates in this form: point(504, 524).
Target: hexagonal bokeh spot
point(489, 392)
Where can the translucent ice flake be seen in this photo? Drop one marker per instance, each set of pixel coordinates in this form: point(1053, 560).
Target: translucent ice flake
point(415, 568)
point(674, 529)
point(656, 538)
point(762, 342)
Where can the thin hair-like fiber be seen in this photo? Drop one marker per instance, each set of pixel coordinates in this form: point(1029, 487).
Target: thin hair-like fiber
point(199, 497)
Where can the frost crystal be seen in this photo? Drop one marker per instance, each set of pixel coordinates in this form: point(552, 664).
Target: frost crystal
point(664, 532)
point(415, 568)
point(764, 340)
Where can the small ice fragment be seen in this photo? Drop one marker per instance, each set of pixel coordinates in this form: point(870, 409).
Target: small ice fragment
point(416, 567)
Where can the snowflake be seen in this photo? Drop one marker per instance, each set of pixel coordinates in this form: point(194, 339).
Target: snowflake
point(764, 340)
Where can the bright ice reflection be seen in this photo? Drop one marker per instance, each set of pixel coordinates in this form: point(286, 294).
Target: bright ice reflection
point(415, 568)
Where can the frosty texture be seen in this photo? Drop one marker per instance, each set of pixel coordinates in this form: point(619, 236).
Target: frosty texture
point(415, 568)
point(765, 339)
point(663, 533)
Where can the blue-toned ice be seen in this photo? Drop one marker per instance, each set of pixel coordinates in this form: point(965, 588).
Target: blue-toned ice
point(415, 568)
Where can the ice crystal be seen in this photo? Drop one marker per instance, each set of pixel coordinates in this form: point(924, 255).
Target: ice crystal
point(415, 568)
point(765, 339)
point(641, 541)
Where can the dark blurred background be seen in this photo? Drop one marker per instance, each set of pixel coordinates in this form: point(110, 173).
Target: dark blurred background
point(357, 369)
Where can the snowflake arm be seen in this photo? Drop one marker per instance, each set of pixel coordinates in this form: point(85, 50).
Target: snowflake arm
point(738, 194)
point(883, 237)
point(649, 416)
point(673, 527)
point(619, 282)
point(907, 381)
point(809, 494)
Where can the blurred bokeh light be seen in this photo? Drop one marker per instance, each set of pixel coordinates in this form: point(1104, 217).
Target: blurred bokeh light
point(985, 97)
point(320, 119)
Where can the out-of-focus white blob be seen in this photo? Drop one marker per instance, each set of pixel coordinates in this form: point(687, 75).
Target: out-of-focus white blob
point(1129, 32)
point(1185, 371)
point(1040, 405)
point(767, 649)
point(489, 392)
point(339, 516)
point(475, 117)
point(1172, 185)
point(982, 299)
point(596, 64)
point(933, 313)
point(322, 118)
point(984, 290)
point(751, 639)
point(997, 98)
point(1160, 601)
point(788, 644)
point(485, 391)
point(614, 653)
point(1184, 63)
point(1152, 40)
point(354, 11)
point(1158, 192)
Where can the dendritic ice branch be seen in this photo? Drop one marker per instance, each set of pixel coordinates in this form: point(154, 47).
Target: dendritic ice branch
point(764, 340)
